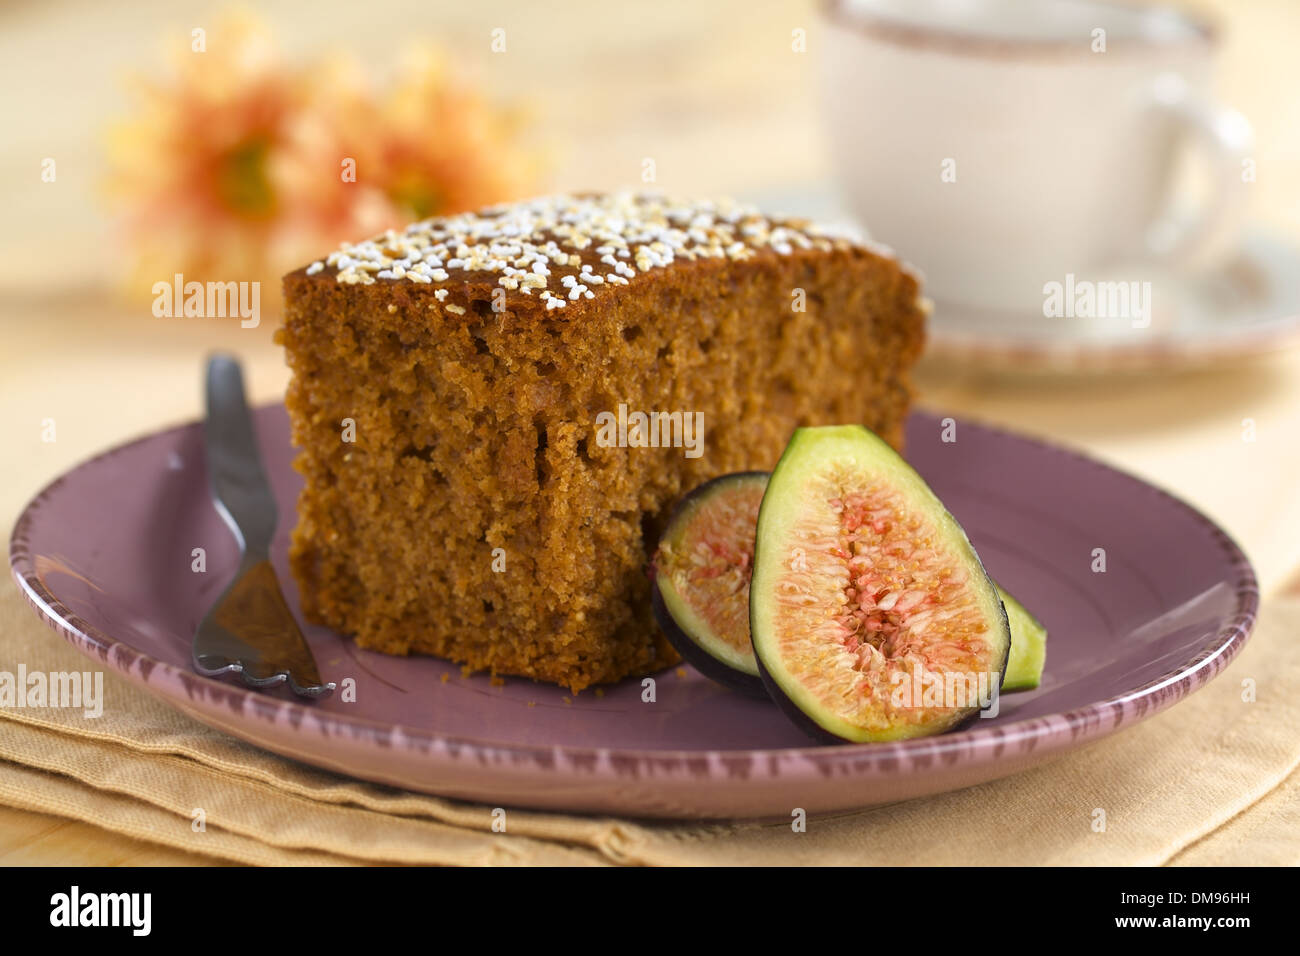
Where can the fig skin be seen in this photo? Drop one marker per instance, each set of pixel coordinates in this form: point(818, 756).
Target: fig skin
point(695, 655)
point(1024, 670)
point(797, 714)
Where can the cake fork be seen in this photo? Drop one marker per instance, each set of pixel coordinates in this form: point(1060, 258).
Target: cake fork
point(250, 629)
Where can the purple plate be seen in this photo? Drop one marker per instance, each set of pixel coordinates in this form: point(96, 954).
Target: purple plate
point(104, 554)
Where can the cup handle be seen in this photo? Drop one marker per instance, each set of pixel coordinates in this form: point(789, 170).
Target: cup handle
point(1225, 136)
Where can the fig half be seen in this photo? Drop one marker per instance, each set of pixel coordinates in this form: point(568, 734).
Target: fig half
point(701, 578)
point(871, 615)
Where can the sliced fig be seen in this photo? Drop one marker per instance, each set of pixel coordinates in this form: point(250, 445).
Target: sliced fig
point(701, 578)
point(866, 593)
point(678, 615)
point(1028, 646)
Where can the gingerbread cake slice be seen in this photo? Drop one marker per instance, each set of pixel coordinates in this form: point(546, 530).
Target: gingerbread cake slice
point(496, 411)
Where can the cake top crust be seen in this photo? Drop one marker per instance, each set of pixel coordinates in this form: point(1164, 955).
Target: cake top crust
point(567, 248)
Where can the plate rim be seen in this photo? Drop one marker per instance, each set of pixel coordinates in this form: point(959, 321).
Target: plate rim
point(1090, 721)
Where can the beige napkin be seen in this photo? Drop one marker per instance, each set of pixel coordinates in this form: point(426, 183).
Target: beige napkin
point(1211, 781)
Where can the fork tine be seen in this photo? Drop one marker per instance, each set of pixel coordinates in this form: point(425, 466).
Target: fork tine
point(251, 631)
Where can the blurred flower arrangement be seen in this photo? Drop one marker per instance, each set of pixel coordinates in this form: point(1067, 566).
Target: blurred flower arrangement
point(240, 166)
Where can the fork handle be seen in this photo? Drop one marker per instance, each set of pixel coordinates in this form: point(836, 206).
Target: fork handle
point(238, 482)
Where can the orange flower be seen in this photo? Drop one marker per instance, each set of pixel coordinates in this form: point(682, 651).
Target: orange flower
point(192, 168)
point(442, 149)
point(239, 167)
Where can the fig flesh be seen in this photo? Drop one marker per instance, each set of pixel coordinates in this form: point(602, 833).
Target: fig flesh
point(701, 579)
point(871, 616)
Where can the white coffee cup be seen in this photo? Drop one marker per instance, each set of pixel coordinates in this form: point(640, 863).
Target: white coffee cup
point(1000, 145)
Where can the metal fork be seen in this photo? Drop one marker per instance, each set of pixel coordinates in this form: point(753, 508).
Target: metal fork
point(250, 629)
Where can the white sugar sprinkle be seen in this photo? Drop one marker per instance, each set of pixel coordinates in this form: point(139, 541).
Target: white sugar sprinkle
point(521, 243)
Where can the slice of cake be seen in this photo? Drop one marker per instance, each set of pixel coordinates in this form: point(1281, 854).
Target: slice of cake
point(496, 412)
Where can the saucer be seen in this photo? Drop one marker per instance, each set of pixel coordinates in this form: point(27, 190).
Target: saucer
point(1246, 308)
